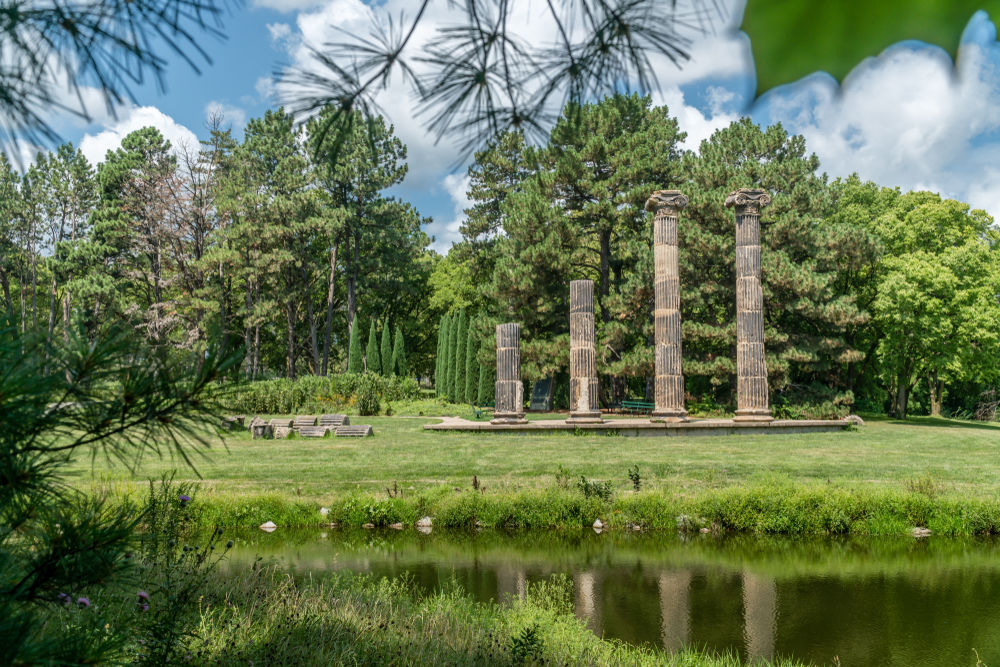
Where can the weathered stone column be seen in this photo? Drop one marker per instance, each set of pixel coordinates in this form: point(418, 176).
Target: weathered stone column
point(583, 387)
point(669, 382)
point(509, 390)
point(751, 367)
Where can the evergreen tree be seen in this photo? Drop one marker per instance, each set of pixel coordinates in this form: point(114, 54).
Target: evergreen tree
point(458, 360)
point(372, 364)
point(446, 384)
point(471, 392)
point(399, 354)
point(806, 310)
point(487, 384)
point(387, 366)
point(439, 358)
point(355, 364)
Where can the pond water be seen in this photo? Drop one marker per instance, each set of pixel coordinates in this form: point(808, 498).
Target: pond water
point(873, 602)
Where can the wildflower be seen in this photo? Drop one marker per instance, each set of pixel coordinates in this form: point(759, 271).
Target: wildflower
point(184, 499)
point(229, 544)
point(143, 595)
point(65, 599)
point(145, 607)
point(83, 602)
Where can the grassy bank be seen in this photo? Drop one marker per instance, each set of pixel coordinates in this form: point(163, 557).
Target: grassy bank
point(775, 507)
point(263, 616)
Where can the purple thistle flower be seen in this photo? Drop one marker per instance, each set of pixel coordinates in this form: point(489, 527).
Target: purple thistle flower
point(65, 599)
point(143, 595)
point(185, 499)
point(83, 602)
point(145, 607)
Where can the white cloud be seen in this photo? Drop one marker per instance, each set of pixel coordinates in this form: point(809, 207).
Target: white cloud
point(231, 115)
point(265, 88)
point(720, 56)
point(904, 119)
point(95, 147)
point(287, 5)
point(279, 31)
point(447, 233)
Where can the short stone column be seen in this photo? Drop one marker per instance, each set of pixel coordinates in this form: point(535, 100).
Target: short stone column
point(583, 387)
point(509, 390)
point(669, 382)
point(751, 366)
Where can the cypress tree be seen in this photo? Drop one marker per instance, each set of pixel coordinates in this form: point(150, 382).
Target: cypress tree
point(446, 361)
point(371, 352)
point(458, 362)
point(487, 386)
point(355, 364)
point(399, 355)
point(471, 368)
point(387, 367)
point(438, 358)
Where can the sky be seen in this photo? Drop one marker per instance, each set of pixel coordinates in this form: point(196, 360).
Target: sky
point(907, 118)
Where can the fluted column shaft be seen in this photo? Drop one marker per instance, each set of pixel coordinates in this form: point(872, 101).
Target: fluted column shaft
point(669, 380)
point(583, 385)
point(509, 389)
point(751, 366)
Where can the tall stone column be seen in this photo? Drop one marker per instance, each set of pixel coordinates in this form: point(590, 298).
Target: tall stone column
point(669, 382)
point(509, 390)
point(751, 367)
point(583, 387)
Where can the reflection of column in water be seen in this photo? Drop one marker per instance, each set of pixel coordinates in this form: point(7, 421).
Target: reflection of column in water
point(760, 607)
point(674, 609)
point(588, 603)
point(511, 583)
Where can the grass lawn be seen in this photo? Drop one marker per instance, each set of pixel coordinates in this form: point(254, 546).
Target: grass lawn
point(958, 457)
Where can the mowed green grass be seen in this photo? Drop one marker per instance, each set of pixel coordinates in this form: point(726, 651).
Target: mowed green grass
point(960, 458)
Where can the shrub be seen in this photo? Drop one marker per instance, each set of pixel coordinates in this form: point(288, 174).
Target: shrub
point(368, 394)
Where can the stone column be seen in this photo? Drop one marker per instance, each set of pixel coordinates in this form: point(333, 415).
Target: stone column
point(509, 390)
point(583, 387)
point(751, 368)
point(669, 382)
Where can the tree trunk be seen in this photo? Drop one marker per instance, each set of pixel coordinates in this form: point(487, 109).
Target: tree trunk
point(352, 284)
point(5, 282)
point(312, 336)
point(935, 387)
point(329, 310)
point(902, 395)
point(605, 274)
point(66, 308)
point(290, 312)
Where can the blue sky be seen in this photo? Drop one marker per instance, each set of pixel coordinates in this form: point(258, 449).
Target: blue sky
point(906, 118)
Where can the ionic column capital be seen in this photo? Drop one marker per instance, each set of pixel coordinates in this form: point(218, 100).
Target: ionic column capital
point(748, 201)
point(673, 200)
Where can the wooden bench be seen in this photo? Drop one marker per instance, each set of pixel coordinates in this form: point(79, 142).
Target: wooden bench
point(286, 423)
point(637, 407)
point(333, 421)
point(359, 431)
point(314, 431)
point(304, 420)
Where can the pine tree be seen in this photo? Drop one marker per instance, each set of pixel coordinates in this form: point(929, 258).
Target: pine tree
point(387, 367)
point(399, 355)
point(355, 364)
point(445, 388)
point(371, 352)
point(471, 368)
point(458, 361)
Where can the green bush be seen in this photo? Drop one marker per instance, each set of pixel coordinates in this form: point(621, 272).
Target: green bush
point(367, 395)
point(316, 394)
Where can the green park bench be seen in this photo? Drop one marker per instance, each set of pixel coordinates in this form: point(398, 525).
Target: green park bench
point(480, 410)
point(637, 407)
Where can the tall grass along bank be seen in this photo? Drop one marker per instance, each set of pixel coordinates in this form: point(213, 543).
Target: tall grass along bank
point(777, 508)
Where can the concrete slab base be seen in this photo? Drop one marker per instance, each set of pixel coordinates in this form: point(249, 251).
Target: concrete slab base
point(646, 428)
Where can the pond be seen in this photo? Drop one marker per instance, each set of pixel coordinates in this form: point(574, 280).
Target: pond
point(869, 602)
